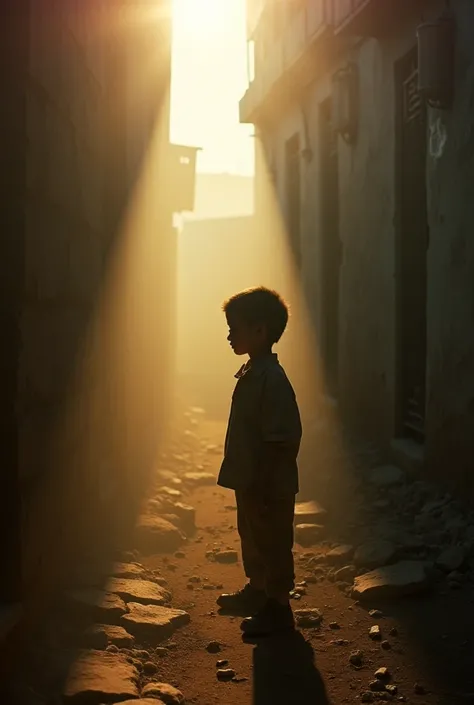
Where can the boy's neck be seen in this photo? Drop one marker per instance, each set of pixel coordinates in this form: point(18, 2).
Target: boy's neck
point(261, 353)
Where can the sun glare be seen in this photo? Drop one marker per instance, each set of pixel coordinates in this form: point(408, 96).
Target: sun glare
point(200, 17)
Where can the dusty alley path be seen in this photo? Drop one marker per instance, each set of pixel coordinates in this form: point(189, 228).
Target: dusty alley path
point(416, 650)
point(334, 663)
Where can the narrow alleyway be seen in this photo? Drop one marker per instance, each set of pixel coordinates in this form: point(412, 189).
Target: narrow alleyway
point(416, 649)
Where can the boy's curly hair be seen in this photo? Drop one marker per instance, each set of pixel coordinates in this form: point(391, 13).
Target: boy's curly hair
point(260, 305)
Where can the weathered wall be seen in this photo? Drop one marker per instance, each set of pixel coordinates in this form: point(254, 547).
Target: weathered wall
point(450, 414)
point(368, 217)
point(75, 155)
point(13, 55)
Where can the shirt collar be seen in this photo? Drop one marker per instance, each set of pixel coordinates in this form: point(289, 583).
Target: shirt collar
point(258, 365)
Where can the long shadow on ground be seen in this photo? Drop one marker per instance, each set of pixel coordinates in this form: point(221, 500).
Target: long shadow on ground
point(284, 672)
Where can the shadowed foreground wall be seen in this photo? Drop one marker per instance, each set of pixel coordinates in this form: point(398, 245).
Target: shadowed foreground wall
point(74, 321)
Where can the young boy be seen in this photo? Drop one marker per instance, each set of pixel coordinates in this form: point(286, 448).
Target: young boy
point(262, 443)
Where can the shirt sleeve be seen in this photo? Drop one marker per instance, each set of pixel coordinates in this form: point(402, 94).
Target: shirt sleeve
point(280, 415)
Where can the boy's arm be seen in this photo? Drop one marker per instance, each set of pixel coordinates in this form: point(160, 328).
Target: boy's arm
point(281, 427)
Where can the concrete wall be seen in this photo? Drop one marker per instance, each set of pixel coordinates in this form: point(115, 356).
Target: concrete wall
point(450, 418)
point(74, 154)
point(368, 211)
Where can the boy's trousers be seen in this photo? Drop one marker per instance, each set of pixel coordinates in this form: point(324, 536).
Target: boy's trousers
point(265, 525)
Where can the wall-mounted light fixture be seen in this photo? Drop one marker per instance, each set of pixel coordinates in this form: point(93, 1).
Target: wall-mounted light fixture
point(436, 44)
point(345, 103)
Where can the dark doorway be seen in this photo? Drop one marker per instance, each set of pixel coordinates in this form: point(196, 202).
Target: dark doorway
point(412, 243)
point(293, 196)
point(330, 248)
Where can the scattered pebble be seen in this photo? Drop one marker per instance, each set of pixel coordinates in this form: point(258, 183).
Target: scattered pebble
point(226, 557)
point(376, 614)
point(308, 618)
point(149, 668)
point(225, 674)
point(375, 633)
point(382, 674)
point(213, 647)
point(377, 686)
point(356, 659)
point(419, 689)
point(221, 663)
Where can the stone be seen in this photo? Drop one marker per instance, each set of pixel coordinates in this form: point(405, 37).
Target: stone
point(374, 554)
point(155, 534)
point(106, 634)
point(391, 689)
point(225, 674)
point(171, 492)
point(149, 668)
point(419, 689)
point(143, 701)
point(167, 693)
point(199, 479)
point(308, 534)
point(99, 677)
point(226, 557)
point(403, 578)
point(375, 633)
point(186, 515)
point(308, 618)
point(356, 659)
point(376, 614)
point(153, 621)
point(309, 513)
point(144, 591)
point(367, 697)
point(377, 686)
point(346, 574)
point(340, 554)
point(387, 476)
point(213, 647)
point(451, 558)
point(221, 663)
point(128, 570)
point(382, 674)
point(101, 605)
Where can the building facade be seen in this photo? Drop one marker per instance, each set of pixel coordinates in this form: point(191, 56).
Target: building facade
point(86, 83)
point(364, 111)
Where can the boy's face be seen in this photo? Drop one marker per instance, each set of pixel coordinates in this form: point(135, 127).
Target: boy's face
point(246, 338)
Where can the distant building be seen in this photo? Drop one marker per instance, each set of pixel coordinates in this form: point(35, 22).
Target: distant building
point(213, 264)
point(222, 196)
point(364, 110)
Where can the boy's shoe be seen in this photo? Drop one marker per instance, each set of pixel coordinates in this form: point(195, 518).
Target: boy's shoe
point(248, 599)
point(273, 618)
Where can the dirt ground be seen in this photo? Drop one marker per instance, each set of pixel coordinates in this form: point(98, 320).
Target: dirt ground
point(427, 642)
point(432, 650)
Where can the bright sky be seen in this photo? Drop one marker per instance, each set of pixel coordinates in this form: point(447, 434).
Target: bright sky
point(209, 78)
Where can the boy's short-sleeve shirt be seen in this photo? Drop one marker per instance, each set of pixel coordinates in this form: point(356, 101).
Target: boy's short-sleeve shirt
point(264, 410)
